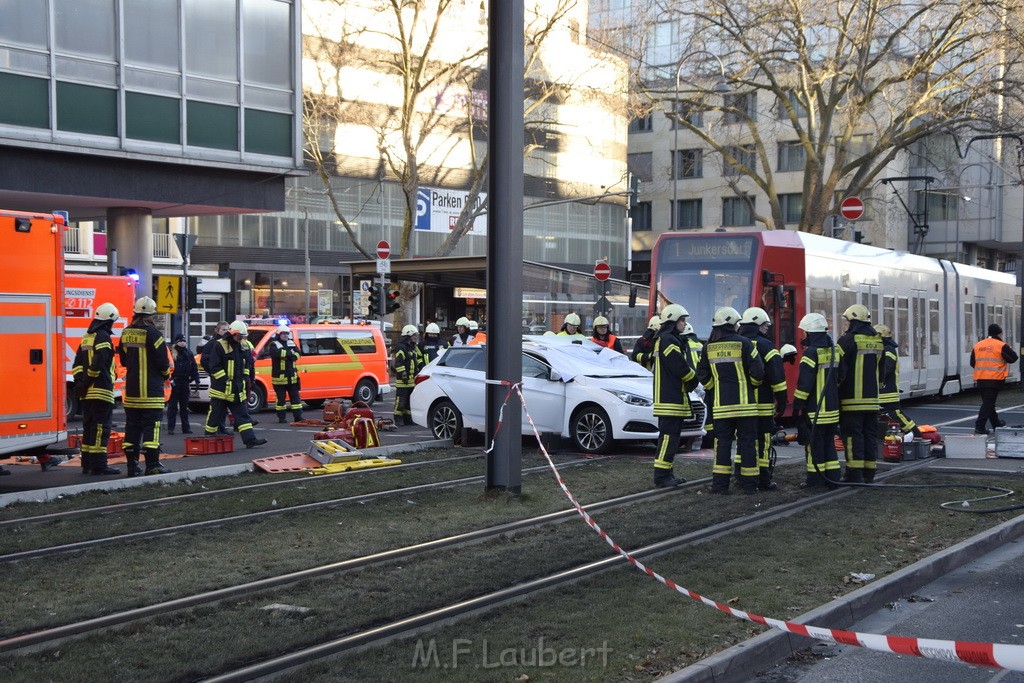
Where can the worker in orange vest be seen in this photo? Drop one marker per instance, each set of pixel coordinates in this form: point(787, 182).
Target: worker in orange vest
point(604, 337)
point(989, 358)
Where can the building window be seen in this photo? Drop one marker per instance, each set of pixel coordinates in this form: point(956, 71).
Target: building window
point(736, 211)
point(641, 124)
point(794, 102)
point(689, 213)
point(32, 96)
point(689, 163)
point(740, 107)
point(689, 112)
point(792, 157)
point(640, 215)
point(858, 146)
point(942, 206)
point(212, 125)
point(211, 39)
point(792, 207)
point(641, 165)
point(744, 155)
point(267, 31)
point(149, 117)
point(151, 34)
point(85, 109)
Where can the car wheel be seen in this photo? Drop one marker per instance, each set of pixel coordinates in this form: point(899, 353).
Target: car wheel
point(591, 430)
point(365, 391)
point(444, 420)
point(257, 399)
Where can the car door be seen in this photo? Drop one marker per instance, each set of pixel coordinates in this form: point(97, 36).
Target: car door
point(545, 397)
point(460, 375)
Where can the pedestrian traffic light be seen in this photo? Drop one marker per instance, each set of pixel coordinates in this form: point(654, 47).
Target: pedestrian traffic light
point(393, 304)
point(375, 301)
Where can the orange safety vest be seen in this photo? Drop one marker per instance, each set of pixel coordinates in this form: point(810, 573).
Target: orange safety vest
point(988, 359)
point(609, 344)
point(480, 338)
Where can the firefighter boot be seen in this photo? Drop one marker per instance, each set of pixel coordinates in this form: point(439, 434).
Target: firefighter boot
point(100, 466)
point(86, 463)
point(665, 479)
point(720, 484)
point(297, 415)
point(869, 475)
point(133, 469)
point(765, 483)
point(854, 476)
point(153, 465)
point(282, 418)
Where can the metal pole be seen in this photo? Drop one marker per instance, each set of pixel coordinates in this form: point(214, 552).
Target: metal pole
point(305, 232)
point(505, 243)
point(184, 299)
point(383, 236)
point(675, 154)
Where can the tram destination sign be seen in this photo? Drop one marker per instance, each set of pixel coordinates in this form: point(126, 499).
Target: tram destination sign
point(707, 249)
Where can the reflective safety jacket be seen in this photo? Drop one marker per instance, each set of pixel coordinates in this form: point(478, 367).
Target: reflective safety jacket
point(283, 357)
point(862, 361)
point(673, 376)
point(94, 362)
point(229, 370)
point(890, 392)
point(405, 364)
point(459, 340)
point(612, 342)
point(643, 350)
point(818, 382)
point(694, 346)
point(144, 355)
point(773, 390)
point(429, 348)
point(989, 359)
point(731, 369)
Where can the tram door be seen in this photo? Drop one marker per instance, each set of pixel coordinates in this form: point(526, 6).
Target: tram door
point(918, 338)
point(779, 301)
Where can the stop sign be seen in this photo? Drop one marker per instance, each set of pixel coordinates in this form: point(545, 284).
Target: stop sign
point(852, 208)
point(602, 271)
point(383, 250)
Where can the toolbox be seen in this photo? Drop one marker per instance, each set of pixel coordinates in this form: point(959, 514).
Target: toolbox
point(330, 451)
point(918, 449)
point(206, 445)
point(1009, 442)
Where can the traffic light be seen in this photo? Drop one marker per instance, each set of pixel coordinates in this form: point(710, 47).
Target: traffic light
point(192, 292)
point(375, 301)
point(634, 190)
point(393, 304)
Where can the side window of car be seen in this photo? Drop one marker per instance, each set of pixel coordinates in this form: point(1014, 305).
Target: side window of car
point(307, 343)
point(356, 342)
point(327, 343)
point(534, 368)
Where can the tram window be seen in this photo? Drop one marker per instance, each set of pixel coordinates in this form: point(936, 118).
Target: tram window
point(920, 332)
point(902, 323)
point(844, 299)
point(979, 321)
point(889, 313)
point(968, 327)
point(871, 301)
point(820, 301)
point(933, 327)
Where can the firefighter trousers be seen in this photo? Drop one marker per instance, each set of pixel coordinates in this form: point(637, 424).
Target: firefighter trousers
point(668, 441)
point(820, 454)
point(403, 413)
point(743, 432)
point(859, 429)
point(142, 433)
point(96, 417)
point(288, 399)
point(219, 409)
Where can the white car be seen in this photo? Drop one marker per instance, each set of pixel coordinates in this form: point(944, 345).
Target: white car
point(582, 391)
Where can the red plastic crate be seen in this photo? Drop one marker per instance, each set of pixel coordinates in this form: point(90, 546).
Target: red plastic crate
point(74, 440)
point(115, 446)
point(206, 445)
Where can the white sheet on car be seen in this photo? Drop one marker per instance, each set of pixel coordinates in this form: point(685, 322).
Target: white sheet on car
point(571, 360)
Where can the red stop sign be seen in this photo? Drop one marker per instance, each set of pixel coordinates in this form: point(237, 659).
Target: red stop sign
point(383, 250)
point(602, 271)
point(852, 208)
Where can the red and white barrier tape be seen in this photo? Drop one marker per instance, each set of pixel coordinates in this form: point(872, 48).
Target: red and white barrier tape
point(994, 655)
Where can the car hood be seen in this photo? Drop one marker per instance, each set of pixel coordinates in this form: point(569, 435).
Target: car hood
point(640, 386)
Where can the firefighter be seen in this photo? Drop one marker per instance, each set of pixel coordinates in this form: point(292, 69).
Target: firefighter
point(431, 345)
point(94, 376)
point(405, 374)
point(571, 327)
point(889, 395)
point(772, 395)
point(144, 355)
point(185, 372)
point(731, 369)
point(284, 354)
point(229, 384)
point(477, 336)
point(673, 381)
point(603, 336)
point(989, 358)
point(462, 336)
point(862, 360)
point(644, 347)
point(816, 401)
point(693, 343)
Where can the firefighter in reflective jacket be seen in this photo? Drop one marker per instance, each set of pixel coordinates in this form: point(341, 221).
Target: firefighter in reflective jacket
point(94, 376)
point(405, 374)
point(673, 381)
point(284, 354)
point(431, 345)
point(862, 360)
point(604, 337)
point(731, 369)
point(229, 384)
point(462, 336)
point(643, 349)
point(989, 358)
point(144, 355)
point(889, 396)
point(772, 395)
point(816, 401)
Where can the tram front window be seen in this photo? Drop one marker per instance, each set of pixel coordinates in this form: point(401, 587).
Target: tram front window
point(705, 273)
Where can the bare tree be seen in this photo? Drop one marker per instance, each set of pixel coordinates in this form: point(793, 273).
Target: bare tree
point(850, 85)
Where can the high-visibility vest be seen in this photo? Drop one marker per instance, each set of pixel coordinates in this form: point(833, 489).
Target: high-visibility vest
point(988, 359)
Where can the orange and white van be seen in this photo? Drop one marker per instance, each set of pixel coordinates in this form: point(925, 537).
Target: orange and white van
point(338, 361)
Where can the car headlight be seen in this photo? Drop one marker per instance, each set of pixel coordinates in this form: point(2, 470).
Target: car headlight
point(631, 399)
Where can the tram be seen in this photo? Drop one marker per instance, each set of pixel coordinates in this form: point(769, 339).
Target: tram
point(936, 309)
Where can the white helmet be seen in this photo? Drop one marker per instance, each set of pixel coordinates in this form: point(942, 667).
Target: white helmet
point(283, 329)
point(857, 312)
point(654, 323)
point(672, 313)
point(462, 322)
point(726, 315)
point(787, 350)
point(572, 319)
point(473, 326)
point(688, 329)
point(238, 327)
point(755, 315)
point(145, 306)
point(432, 328)
point(600, 320)
point(883, 330)
point(409, 330)
point(107, 311)
point(813, 322)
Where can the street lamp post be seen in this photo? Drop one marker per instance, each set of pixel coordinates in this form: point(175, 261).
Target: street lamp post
point(721, 86)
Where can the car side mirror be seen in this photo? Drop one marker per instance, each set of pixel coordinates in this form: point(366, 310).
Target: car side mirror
point(555, 376)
